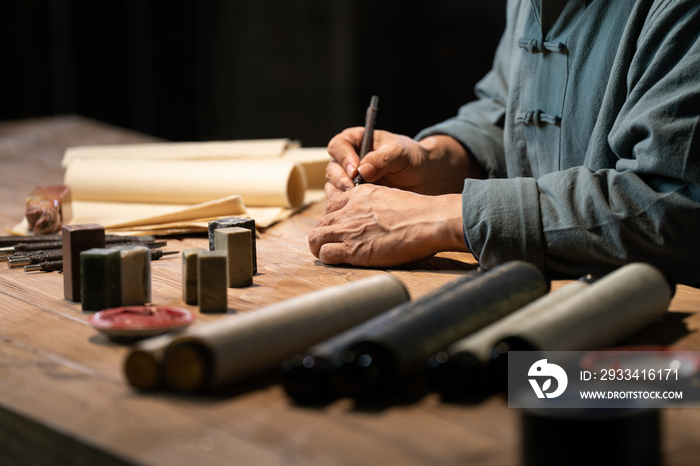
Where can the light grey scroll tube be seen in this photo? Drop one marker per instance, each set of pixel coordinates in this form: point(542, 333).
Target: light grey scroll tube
point(235, 347)
point(614, 307)
point(481, 343)
point(142, 366)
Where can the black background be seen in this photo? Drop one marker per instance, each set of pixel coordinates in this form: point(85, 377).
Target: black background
point(218, 69)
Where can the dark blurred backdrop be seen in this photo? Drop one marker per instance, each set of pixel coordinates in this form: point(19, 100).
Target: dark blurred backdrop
point(240, 69)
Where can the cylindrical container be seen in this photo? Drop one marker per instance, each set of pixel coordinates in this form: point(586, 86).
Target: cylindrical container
point(614, 307)
point(461, 370)
point(306, 376)
point(396, 347)
point(578, 437)
point(142, 367)
point(236, 347)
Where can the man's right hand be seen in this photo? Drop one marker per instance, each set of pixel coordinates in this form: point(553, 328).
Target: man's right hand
point(436, 165)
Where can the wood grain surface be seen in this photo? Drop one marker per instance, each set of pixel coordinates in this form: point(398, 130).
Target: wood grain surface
point(64, 400)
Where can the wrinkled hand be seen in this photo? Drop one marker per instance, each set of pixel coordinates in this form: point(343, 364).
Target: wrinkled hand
point(435, 165)
point(376, 226)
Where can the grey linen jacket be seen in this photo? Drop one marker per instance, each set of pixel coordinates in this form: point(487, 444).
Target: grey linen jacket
point(587, 128)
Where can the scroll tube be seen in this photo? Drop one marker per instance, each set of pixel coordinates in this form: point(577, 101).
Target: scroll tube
point(394, 350)
point(143, 364)
point(615, 307)
point(236, 347)
point(461, 369)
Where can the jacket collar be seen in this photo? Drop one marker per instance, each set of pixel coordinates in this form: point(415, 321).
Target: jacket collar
point(548, 11)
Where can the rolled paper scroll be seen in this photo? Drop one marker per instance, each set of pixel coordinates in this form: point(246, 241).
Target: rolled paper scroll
point(258, 182)
point(208, 150)
point(394, 347)
point(239, 346)
point(314, 160)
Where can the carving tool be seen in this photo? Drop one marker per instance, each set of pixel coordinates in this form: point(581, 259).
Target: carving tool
point(368, 136)
point(44, 245)
point(50, 266)
point(36, 257)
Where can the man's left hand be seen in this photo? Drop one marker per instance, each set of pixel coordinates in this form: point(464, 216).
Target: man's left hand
point(376, 226)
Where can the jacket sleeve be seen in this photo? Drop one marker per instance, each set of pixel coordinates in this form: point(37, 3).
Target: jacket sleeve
point(645, 204)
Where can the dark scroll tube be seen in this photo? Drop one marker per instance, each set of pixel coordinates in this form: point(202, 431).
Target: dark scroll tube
point(393, 347)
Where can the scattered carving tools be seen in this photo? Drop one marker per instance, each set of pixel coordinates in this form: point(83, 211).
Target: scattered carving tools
point(49, 255)
point(6, 241)
point(46, 242)
point(53, 265)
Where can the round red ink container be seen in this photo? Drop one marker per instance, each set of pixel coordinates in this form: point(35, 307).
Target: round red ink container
point(140, 321)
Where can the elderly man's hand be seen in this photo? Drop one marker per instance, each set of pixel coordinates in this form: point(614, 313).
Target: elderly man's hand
point(376, 226)
point(435, 165)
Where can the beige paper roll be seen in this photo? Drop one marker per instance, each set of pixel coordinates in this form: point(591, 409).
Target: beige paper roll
point(258, 182)
point(314, 160)
point(481, 343)
point(208, 150)
point(132, 214)
point(235, 347)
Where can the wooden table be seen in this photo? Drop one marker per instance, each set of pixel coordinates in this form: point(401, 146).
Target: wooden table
point(64, 400)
